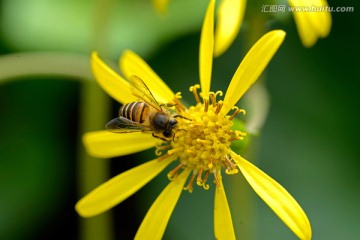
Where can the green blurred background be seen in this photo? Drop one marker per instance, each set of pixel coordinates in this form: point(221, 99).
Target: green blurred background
point(48, 99)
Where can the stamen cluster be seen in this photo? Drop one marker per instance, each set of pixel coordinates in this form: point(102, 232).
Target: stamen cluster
point(202, 143)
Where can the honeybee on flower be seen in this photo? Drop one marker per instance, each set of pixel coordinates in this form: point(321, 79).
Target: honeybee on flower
point(144, 116)
point(202, 149)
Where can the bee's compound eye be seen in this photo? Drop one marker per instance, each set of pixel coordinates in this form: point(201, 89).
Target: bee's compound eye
point(172, 122)
point(169, 129)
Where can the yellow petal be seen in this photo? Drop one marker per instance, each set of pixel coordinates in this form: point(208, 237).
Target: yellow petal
point(311, 24)
point(206, 50)
point(110, 81)
point(251, 67)
point(321, 19)
point(104, 144)
point(161, 6)
point(229, 19)
point(223, 225)
point(307, 36)
point(276, 197)
point(119, 188)
point(154, 224)
point(132, 64)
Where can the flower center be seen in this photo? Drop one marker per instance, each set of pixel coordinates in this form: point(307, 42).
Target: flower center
point(202, 140)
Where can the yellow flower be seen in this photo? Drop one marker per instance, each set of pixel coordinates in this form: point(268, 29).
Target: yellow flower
point(312, 24)
point(201, 144)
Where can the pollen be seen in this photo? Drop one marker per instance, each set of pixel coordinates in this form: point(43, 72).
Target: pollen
point(202, 140)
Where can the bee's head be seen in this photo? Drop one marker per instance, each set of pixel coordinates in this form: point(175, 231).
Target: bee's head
point(169, 129)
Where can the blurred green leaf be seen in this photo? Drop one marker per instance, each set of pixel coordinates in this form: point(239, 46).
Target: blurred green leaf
point(36, 159)
point(116, 25)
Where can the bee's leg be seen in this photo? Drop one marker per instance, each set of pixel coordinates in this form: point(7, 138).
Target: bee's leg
point(174, 136)
point(181, 129)
point(159, 137)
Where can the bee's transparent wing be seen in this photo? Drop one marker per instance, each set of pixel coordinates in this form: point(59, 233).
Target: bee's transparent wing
point(124, 125)
point(140, 90)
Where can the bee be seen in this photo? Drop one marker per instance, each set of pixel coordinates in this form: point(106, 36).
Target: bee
point(144, 116)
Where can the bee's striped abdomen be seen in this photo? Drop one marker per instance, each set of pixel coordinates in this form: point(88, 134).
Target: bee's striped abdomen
point(135, 111)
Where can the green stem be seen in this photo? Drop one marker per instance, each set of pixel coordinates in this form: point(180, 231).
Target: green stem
point(17, 65)
point(94, 112)
point(93, 171)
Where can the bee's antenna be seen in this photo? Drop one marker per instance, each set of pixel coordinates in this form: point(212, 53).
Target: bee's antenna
point(181, 116)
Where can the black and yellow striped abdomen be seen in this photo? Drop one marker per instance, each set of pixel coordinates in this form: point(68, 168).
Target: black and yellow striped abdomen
point(135, 111)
